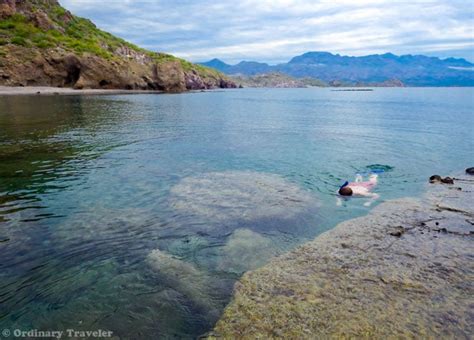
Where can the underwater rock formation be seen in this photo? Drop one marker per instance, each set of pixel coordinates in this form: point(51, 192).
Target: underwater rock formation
point(403, 271)
point(94, 223)
point(239, 195)
point(246, 250)
point(170, 265)
point(186, 279)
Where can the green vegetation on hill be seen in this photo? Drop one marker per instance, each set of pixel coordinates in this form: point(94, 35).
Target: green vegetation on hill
point(79, 35)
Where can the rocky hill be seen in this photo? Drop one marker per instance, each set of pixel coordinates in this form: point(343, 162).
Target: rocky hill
point(43, 44)
point(275, 80)
point(386, 69)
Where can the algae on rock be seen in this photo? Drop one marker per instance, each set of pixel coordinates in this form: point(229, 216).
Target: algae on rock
point(403, 271)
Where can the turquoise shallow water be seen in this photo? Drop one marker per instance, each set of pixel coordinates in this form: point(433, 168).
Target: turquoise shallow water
point(136, 214)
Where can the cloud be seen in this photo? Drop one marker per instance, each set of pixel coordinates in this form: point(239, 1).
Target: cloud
point(276, 30)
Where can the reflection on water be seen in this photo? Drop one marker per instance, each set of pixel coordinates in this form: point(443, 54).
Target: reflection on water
point(47, 144)
point(138, 213)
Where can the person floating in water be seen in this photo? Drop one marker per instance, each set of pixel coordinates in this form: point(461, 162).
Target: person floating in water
point(360, 189)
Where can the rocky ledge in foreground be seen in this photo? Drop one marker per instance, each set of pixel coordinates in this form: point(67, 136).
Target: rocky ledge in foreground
point(404, 270)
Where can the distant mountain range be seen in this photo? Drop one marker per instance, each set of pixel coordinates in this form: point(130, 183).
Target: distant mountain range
point(411, 70)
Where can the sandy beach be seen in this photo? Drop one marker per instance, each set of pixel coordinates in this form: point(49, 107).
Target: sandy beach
point(62, 91)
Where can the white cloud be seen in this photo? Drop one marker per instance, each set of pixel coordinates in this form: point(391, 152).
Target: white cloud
point(276, 30)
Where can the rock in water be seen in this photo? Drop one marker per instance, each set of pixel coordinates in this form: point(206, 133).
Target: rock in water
point(172, 266)
point(447, 180)
point(246, 250)
point(403, 271)
point(240, 195)
point(186, 279)
point(470, 171)
point(439, 179)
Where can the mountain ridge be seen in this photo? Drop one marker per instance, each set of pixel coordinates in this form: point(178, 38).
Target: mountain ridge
point(411, 70)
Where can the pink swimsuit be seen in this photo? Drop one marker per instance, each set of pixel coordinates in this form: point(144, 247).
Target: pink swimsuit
point(368, 185)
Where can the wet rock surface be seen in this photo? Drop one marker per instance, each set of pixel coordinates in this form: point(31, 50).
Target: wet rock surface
point(245, 250)
point(186, 279)
point(404, 270)
point(239, 195)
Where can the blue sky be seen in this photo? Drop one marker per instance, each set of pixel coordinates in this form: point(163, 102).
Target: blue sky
point(273, 31)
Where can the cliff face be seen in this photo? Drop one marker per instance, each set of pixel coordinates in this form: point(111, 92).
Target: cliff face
point(42, 44)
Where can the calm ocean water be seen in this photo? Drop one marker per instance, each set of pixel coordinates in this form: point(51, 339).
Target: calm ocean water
point(137, 213)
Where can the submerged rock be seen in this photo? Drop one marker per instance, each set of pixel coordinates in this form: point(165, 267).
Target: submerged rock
point(403, 271)
point(173, 266)
point(246, 250)
point(239, 195)
point(470, 171)
point(186, 279)
point(95, 223)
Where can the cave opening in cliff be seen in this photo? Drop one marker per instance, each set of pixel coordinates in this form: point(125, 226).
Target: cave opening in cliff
point(73, 74)
point(104, 83)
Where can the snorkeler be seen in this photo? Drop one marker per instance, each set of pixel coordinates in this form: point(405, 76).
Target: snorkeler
point(359, 188)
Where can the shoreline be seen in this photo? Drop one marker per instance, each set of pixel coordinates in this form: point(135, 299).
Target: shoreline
point(64, 91)
point(404, 270)
point(67, 91)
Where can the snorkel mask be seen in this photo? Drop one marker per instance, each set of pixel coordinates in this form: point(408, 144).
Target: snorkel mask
point(343, 191)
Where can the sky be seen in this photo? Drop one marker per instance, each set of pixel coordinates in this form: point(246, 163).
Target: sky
point(274, 31)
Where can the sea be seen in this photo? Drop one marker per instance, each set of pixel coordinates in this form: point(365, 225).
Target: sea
point(136, 214)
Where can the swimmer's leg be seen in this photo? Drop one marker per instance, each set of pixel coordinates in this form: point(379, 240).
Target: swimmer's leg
point(373, 198)
point(373, 178)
